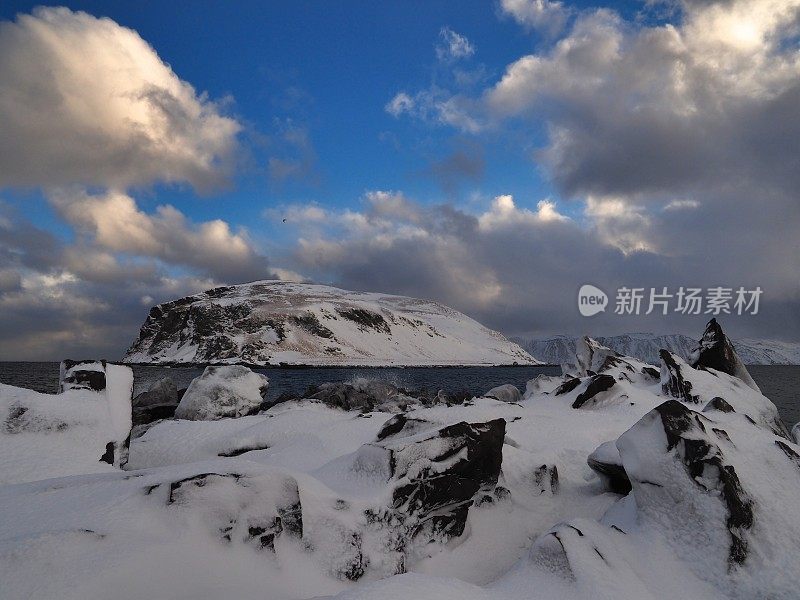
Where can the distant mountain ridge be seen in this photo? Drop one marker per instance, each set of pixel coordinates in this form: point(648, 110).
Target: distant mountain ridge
point(274, 322)
point(645, 346)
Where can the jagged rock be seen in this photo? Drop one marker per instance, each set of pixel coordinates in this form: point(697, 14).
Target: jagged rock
point(673, 382)
point(435, 478)
point(719, 404)
point(795, 435)
point(715, 351)
point(223, 391)
point(504, 393)
point(82, 375)
point(606, 462)
point(402, 426)
point(597, 385)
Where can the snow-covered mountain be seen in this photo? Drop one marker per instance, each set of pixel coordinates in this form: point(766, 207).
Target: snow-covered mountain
point(273, 322)
point(646, 346)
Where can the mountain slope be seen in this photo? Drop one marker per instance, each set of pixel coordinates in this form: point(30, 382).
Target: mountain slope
point(645, 346)
point(273, 322)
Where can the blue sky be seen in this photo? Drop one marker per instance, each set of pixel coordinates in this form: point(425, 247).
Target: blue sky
point(329, 68)
point(491, 155)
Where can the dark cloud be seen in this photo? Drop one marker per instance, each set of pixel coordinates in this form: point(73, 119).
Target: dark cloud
point(466, 164)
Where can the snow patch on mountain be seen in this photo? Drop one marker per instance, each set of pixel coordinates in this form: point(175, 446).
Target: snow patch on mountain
point(274, 322)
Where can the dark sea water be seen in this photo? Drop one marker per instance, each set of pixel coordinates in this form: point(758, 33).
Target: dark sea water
point(780, 383)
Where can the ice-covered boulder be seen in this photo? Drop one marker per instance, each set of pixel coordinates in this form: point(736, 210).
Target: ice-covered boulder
point(223, 391)
point(715, 351)
point(363, 394)
point(504, 393)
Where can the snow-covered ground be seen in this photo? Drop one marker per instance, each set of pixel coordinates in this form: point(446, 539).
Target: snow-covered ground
point(559, 349)
point(306, 500)
point(274, 322)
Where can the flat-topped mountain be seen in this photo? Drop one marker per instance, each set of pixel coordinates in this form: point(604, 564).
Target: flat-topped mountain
point(274, 322)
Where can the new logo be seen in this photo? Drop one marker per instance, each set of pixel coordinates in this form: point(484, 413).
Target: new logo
point(591, 300)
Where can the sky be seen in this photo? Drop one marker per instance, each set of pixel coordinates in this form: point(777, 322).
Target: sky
point(494, 156)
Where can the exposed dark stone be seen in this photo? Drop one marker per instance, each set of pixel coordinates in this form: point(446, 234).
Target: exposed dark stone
point(439, 498)
point(672, 380)
point(545, 479)
point(73, 377)
point(149, 414)
point(108, 455)
point(567, 386)
point(311, 324)
point(715, 351)
point(651, 372)
point(597, 384)
point(611, 472)
point(719, 404)
point(392, 426)
point(788, 451)
point(240, 451)
point(366, 319)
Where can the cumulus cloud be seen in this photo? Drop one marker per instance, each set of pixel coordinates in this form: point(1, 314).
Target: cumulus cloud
point(518, 269)
point(453, 46)
point(114, 222)
point(87, 101)
point(544, 15)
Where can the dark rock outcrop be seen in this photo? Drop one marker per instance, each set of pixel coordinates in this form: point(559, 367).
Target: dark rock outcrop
point(673, 382)
point(715, 351)
point(82, 375)
point(597, 384)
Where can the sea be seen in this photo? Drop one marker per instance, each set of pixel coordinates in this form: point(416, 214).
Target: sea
point(779, 383)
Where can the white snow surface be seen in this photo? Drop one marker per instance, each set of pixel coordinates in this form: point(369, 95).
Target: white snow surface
point(274, 322)
point(96, 532)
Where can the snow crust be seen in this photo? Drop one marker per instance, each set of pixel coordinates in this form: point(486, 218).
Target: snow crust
point(204, 509)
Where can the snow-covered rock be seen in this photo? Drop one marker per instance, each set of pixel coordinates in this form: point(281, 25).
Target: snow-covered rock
point(505, 393)
point(618, 480)
point(273, 322)
point(223, 391)
point(83, 429)
point(560, 349)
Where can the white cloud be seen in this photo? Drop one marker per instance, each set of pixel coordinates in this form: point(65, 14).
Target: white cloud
point(87, 101)
point(399, 104)
point(453, 46)
point(114, 222)
point(682, 205)
point(544, 15)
